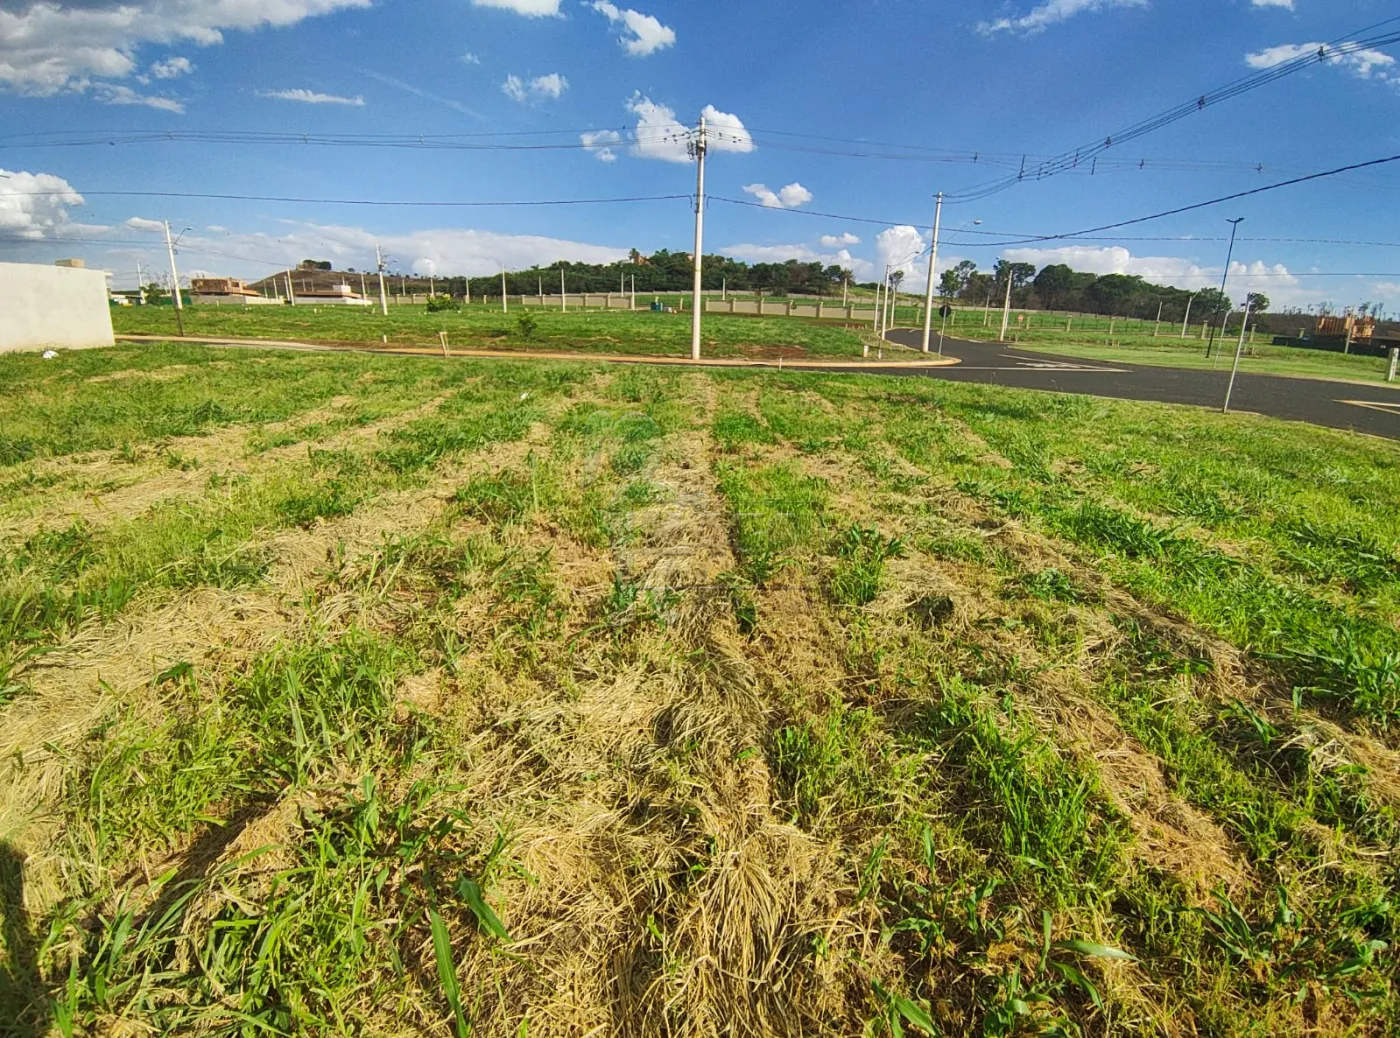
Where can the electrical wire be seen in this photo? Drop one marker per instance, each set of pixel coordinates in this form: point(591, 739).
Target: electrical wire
point(358, 201)
point(1338, 48)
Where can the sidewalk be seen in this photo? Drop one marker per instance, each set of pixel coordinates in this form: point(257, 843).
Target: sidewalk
point(594, 358)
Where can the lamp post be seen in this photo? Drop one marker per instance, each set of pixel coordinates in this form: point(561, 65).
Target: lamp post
point(1234, 227)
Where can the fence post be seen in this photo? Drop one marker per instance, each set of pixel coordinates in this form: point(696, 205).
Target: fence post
point(819, 309)
point(1394, 360)
point(787, 312)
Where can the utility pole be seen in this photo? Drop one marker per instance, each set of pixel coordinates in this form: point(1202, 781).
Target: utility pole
point(634, 292)
point(174, 274)
point(379, 265)
point(175, 282)
point(1234, 227)
point(1239, 348)
point(1006, 307)
point(845, 292)
point(1186, 320)
point(563, 296)
point(879, 311)
point(1158, 326)
point(505, 303)
point(140, 285)
point(363, 294)
point(698, 149)
point(932, 262)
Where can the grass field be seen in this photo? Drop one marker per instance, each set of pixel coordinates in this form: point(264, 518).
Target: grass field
point(402, 696)
point(1089, 338)
point(485, 327)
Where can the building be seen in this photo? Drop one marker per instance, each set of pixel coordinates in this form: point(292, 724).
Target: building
point(43, 306)
point(225, 292)
point(336, 295)
point(76, 264)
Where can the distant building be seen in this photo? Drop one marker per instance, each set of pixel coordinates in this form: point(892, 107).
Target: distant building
point(76, 264)
point(225, 292)
point(335, 295)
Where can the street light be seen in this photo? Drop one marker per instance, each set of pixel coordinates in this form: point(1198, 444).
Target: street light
point(1234, 226)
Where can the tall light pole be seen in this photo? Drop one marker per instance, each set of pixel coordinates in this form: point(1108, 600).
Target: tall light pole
point(1234, 227)
point(1186, 320)
point(1006, 307)
point(505, 301)
point(697, 148)
point(1239, 348)
point(932, 263)
point(379, 265)
point(175, 281)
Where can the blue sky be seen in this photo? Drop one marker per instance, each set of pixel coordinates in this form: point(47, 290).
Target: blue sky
point(997, 79)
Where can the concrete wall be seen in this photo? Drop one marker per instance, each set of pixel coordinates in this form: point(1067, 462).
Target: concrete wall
point(62, 307)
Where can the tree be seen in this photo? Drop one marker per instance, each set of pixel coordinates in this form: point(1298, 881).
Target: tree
point(1258, 303)
point(308, 264)
point(1020, 273)
point(1054, 284)
point(954, 280)
point(1114, 293)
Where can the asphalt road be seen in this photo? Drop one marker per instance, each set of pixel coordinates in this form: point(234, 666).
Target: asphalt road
point(1365, 408)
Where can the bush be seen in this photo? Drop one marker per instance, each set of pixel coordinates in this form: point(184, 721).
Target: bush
point(527, 326)
point(436, 304)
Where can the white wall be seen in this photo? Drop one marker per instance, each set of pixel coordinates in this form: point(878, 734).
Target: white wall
point(62, 307)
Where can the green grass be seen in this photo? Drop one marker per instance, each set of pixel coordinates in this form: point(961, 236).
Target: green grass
point(482, 326)
point(1090, 339)
point(473, 697)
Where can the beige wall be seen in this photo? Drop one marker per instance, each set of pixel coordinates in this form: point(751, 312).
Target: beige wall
point(61, 307)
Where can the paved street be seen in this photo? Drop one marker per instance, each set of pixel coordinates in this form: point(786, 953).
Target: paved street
point(1342, 405)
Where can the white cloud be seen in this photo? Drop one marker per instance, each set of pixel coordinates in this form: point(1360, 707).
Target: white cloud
point(1273, 3)
point(643, 34)
point(659, 135)
point(900, 248)
point(120, 94)
point(529, 8)
point(832, 241)
point(1052, 11)
point(35, 206)
point(1364, 64)
point(599, 142)
point(416, 91)
point(174, 68)
point(311, 97)
point(46, 47)
point(517, 89)
point(862, 269)
point(139, 223)
point(468, 58)
point(552, 85)
point(789, 197)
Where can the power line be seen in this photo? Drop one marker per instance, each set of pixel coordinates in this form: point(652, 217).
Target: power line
point(1029, 239)
point(1214, 201)
point(1087, 153)
point(357, 201)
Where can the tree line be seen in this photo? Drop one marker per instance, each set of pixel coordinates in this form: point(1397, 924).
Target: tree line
point(1058, 286)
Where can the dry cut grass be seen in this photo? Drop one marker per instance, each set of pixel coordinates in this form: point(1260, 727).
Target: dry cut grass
point(542, 700)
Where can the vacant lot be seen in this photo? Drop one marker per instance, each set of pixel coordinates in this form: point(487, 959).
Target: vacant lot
point(485, 327)
point(385, 695)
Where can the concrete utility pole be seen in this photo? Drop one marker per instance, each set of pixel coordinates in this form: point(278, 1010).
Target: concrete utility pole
point(1239, 348)
point(563, 296)
point(845, 292)
point(879, 312)
point(505, 303)
point(174, 274)
point(1158, 326)
point(379, 265)
point(932, 263)
point(1006, 308)
point(1186, 320)
point(140, 285)
point(634, 292)
point(698, 149)
point(1234, 227)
